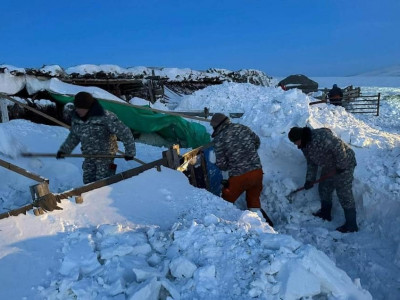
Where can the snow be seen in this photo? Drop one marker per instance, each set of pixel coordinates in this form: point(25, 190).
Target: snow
point(11, 84)
point(154, 236)
point(393, 70)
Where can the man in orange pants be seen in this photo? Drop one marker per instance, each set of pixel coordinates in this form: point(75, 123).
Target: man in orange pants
point(235, 147)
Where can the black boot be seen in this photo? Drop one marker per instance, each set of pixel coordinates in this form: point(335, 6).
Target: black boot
point(351, 221)
point(325, 211)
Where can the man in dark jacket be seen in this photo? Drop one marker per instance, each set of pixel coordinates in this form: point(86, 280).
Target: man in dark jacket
point(335, 95)
point(235, 147)
point(97, 130)
point(322, 148)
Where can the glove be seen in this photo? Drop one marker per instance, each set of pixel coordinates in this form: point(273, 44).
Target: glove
point(340, 171)
point(60, 155)
point(308, 185)
point(128, 157)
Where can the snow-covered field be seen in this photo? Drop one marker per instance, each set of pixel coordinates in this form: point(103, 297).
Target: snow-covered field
point(154, 235)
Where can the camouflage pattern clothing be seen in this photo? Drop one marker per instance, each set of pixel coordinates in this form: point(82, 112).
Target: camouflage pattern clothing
point(98, 132)
point(326, 150)
point(235, 147)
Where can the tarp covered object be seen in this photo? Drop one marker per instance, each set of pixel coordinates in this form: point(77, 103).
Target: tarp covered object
point(300, 82)
point(172, 128)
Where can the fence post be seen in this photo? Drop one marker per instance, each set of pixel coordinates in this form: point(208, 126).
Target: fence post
point(379, 101)
point(4, 111)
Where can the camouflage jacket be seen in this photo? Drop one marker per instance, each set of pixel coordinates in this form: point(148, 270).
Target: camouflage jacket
point(235, 147)
point(98, 133)
point(328, 151)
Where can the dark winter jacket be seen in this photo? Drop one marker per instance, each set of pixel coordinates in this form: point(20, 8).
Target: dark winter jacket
point(235, 147)
point(335, 94)
point(322, 148)
point(97, 132)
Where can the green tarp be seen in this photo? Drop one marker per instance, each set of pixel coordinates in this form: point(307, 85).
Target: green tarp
point(174, 129)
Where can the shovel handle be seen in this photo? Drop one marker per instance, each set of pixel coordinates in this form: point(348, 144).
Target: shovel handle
point(322, 178)
point(79, 155)
point(71, 155)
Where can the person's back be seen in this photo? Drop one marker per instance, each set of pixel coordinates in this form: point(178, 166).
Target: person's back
point(238, 143)
point(335, 95)
point(326, 149)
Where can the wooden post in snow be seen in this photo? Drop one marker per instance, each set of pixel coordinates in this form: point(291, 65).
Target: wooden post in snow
point(4, 111)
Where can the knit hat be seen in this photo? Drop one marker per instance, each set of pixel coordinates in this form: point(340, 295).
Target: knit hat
point(83, 100)
point(218, 119)
point(295, 134)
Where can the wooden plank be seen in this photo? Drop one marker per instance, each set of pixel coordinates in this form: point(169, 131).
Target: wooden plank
point(207, 114)
point(22, 171)
point(111, 180)
point(138, 82)
point(88, 187)
point(192, 178)
point(189, 157)
point(317, 102)
point(172, 157)
point(188, 162)
point(35, 111)
point(17, 211)
point(196, 150)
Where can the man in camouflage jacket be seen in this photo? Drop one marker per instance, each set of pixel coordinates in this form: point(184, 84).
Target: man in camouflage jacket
point(97, 130)
point(235, 147)
point(322, 148)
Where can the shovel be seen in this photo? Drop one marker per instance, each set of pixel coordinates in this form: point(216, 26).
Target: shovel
point(322, 178)
point(27, 154)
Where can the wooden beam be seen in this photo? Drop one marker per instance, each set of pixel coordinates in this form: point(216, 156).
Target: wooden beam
point(22, 171)
point(35, 111)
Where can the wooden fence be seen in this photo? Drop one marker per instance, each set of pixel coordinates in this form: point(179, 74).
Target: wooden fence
point(363, 104)
point(353, 101)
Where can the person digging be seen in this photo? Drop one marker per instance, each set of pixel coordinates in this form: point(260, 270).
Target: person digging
point(322, 148)
point(235, 147)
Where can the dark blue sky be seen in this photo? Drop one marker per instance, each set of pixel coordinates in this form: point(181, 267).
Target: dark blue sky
point(311, 37)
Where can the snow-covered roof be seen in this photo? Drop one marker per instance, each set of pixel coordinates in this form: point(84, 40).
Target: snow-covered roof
point(167, 74)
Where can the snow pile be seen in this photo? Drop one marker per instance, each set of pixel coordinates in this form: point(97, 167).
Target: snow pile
point(208, 258)
point(9, 144)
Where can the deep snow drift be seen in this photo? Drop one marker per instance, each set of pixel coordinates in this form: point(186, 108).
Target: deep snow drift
point(155, 234)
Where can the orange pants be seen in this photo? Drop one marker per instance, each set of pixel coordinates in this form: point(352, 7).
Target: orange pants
point(250, 182)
